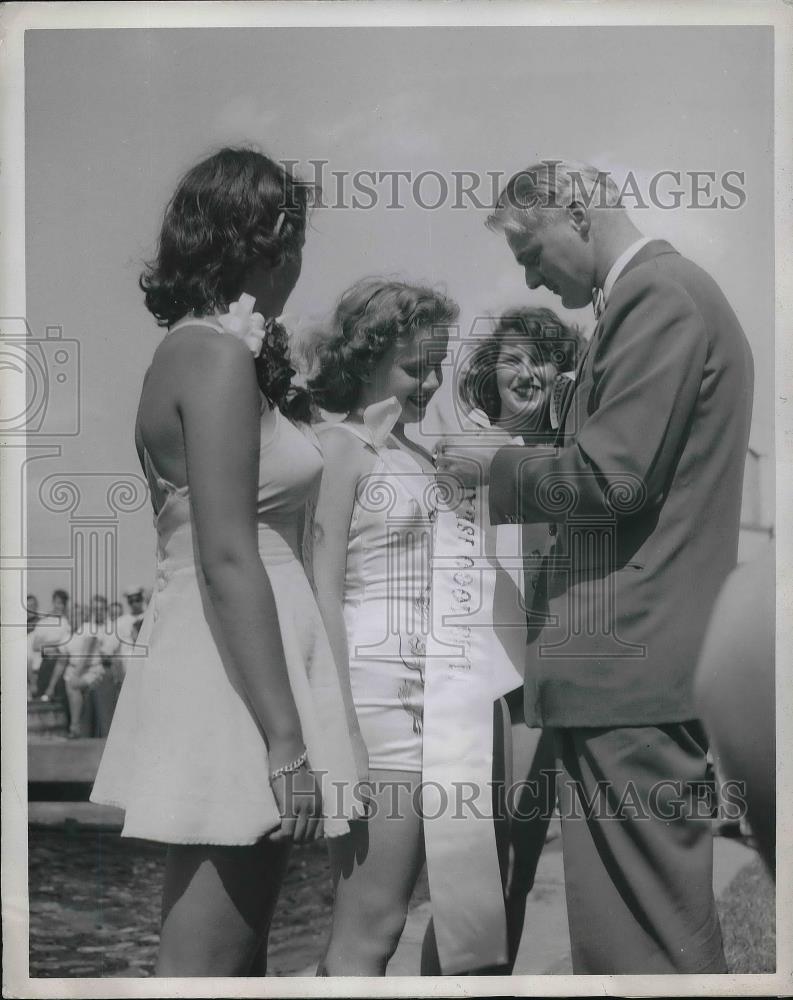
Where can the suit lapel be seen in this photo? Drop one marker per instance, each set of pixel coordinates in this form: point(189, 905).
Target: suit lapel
point(568, 401)
point(652, 249)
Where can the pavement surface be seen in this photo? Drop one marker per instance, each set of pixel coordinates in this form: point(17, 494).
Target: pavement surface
point(545, 945)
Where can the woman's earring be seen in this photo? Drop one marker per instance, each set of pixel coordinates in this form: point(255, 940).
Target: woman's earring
point(278, 223)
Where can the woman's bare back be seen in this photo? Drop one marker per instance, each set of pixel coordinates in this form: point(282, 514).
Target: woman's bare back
point(158, 424)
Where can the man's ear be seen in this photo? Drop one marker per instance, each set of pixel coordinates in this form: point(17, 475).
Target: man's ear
point(578, 214)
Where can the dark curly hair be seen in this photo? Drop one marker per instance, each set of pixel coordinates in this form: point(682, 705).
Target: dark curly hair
point(553, 341)
point(368, 320)
point(224, 216)
point(274, 373)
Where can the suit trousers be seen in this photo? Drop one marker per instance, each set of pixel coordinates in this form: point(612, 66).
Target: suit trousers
point(636, 810)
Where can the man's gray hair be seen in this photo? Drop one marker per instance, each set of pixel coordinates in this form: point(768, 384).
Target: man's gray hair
point(536, 195)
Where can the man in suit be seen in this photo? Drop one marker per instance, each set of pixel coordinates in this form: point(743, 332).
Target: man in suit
point(642, 497)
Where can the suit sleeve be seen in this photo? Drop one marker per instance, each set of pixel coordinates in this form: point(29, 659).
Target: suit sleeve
point(647, 369)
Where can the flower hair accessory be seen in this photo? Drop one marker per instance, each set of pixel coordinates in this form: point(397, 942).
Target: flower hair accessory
point(245, 324)
point(269, 343)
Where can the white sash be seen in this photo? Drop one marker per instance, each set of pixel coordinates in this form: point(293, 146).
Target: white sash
point(467, 668)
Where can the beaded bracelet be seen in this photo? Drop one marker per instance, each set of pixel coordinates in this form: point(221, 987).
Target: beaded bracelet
point(291, 767)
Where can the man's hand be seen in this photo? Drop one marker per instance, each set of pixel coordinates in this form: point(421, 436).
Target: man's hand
point(469, 462)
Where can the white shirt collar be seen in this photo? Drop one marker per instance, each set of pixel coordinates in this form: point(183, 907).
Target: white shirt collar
point(621, 263)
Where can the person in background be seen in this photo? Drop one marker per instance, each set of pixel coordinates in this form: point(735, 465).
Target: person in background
point(32, 607)
point(52, 631)
point(115, 613)
point(83, 670)
point(510, 379)
point(78, 615)
point(128, 624)
point(734, 688)
point(101, 696)
point(127, 629)
point(34, 655)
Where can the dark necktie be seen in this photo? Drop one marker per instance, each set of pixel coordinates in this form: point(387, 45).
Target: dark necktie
point(598, 303)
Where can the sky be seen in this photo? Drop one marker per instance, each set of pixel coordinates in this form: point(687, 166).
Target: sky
point(114, 117)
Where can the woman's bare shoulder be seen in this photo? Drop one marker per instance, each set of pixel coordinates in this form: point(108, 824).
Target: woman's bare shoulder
point(198, 362)
point(198, 346)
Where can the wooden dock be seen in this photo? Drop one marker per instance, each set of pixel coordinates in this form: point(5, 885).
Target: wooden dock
point(60, 775)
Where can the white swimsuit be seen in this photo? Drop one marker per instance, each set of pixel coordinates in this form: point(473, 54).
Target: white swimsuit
point(186, 757)
point(386, 600)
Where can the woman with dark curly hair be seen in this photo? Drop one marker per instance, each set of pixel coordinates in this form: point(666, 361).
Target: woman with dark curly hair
point(380, 365)
point(514, 380)
point(511, 376)
point(233, 708)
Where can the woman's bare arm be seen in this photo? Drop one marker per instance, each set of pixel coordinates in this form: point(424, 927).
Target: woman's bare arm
point(219, 407)
point(345, 462)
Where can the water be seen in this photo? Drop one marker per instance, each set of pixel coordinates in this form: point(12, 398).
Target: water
point(95, 906)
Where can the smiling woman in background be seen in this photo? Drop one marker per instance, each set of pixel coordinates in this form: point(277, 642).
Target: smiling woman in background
point(511, 377)
point(514, 380)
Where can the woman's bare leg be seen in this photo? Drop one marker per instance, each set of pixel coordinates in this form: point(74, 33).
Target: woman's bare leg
point(75, 701)
point(217, 906)
point(375, 868)
point(55, 675)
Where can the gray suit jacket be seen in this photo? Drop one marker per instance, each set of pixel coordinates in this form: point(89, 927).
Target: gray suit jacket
point(642, 501)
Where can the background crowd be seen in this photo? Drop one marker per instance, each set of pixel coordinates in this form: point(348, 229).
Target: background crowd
point(77, 654)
